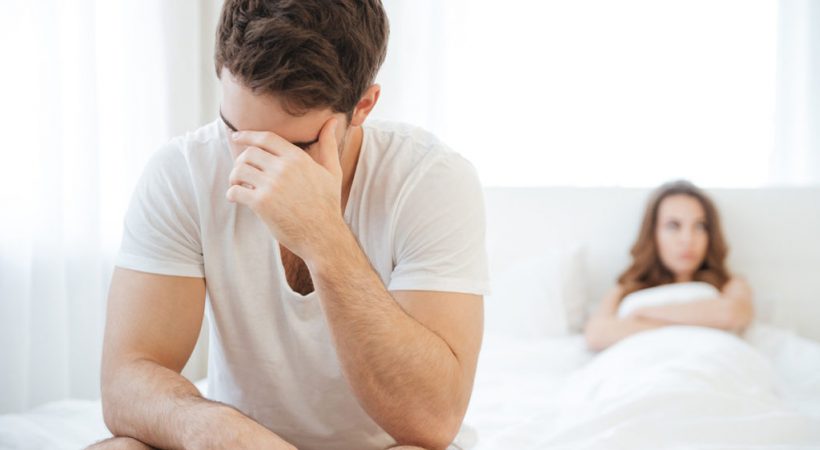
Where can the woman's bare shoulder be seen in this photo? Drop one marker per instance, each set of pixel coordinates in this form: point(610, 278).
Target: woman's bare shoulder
point(737, 285)
point(737, 280)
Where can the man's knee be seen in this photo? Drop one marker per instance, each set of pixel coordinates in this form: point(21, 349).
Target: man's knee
point(119, 443)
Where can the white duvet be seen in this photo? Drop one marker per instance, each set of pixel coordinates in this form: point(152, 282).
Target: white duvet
point(678, 388)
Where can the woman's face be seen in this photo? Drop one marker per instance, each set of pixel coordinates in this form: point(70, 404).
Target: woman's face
point(681, 234)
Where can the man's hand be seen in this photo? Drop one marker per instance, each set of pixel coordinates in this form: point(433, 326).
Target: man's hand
point(119, 443)
point(297, 193)
point(257, 437)
point(247, 434)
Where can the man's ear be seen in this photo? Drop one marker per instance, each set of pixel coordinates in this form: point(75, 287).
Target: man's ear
point(365, 105)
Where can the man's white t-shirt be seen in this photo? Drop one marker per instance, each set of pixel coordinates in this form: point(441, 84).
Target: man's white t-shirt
point(417, 210)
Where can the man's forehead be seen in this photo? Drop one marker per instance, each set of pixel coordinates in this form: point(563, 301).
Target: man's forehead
point(243, 109)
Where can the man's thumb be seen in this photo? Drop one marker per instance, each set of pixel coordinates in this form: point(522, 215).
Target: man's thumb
point(328, 155)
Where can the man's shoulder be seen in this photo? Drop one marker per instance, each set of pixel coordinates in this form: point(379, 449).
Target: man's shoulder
point(388, 135)
point(191, 150)
point(402, 133)
point(208, 137)
point(183, 163)
point(409, 146)
point(413, 165)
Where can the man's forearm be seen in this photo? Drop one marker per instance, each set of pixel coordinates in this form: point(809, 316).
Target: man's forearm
point(157, 406)
point(406, 376)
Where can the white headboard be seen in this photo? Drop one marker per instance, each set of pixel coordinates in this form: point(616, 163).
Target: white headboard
point(773, 235)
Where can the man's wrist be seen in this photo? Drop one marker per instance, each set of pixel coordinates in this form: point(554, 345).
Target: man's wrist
point(335, 244)
point(227, 427)
point(211, 425)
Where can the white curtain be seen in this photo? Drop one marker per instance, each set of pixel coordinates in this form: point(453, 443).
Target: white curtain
point(796, 159)
point(591, 92)
point(90, 89)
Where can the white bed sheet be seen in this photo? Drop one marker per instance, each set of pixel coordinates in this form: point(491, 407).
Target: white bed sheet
point(524, 393)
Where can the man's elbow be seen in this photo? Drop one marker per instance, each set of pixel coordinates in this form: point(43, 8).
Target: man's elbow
point(431, 432)
point(435, 437)
point(109, 409)
point(110, 418)
point(112, 397)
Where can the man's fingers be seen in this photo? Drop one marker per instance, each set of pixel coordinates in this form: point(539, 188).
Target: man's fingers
point(240, 194)
point(265, 140)
point(255, 157)
point(260, 142)
point(246, 174)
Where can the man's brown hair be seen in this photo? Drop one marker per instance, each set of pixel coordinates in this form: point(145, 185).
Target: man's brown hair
point(647, 270)
point(309, 53)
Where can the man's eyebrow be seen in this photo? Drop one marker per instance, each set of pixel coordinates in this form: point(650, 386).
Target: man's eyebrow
point(302, 145)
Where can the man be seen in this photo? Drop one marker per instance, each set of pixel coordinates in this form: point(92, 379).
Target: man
point(344, 263)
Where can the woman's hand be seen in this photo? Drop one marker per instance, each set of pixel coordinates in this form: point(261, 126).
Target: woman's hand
point(646, 312)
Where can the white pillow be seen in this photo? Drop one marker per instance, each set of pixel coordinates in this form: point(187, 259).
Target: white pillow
point(667, 294)
point(538, 297)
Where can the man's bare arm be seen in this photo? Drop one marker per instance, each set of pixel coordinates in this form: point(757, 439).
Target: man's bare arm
point(152, 325)
point(410, 357)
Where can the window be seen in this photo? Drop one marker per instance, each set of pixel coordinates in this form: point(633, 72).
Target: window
point(592, 92)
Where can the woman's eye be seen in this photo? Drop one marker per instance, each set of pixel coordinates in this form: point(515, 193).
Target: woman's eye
point(701, 226)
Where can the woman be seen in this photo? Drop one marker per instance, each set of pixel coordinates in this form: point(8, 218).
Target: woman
point(680, 241)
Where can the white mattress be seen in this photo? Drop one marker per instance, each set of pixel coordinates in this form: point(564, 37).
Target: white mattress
point(655, 390)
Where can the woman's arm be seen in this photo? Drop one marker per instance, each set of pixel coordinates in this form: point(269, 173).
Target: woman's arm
point(732, 311)
point(605, 328)
point(604, 331)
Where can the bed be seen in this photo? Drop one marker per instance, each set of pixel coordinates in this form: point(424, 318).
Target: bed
point(538, 387)
point(554, 252)
point(528, 391)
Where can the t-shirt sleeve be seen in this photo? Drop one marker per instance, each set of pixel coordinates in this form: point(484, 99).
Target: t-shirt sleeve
point(161, 232)
point(439, 235)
